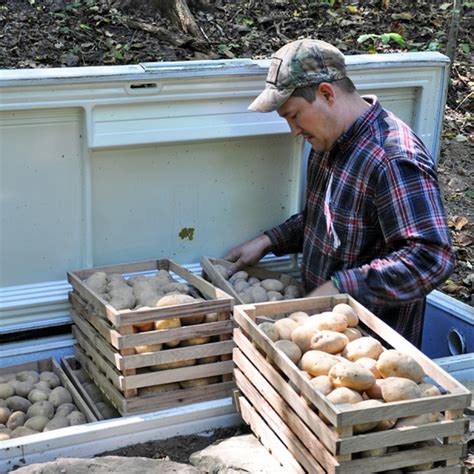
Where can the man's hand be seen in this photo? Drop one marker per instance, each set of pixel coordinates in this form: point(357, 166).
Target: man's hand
point(248, 253)
point(326, 289)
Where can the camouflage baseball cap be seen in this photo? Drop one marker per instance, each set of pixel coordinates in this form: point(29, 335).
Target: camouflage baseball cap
point(300, 63)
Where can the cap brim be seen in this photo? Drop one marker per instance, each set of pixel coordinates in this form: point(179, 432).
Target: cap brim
point(270, 99)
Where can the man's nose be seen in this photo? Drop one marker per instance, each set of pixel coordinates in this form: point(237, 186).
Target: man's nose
point(295, 130)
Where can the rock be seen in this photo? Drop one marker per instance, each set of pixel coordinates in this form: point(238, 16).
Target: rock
point(107, 464)
point(234, 455)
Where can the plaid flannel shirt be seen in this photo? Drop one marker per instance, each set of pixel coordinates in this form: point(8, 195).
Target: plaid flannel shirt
point(374, 221)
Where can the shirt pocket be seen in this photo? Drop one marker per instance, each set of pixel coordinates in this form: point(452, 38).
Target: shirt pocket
point(353, 237)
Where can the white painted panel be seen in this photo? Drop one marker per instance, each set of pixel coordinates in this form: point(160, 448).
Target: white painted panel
point(225, 190)
point(41, 207)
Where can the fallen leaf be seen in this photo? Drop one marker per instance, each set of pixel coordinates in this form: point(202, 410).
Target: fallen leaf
point(457, 222)
point(461, 138)
point(464, 240)
point(452, 288)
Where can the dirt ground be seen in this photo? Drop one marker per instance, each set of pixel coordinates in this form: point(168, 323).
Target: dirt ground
point(59, 33)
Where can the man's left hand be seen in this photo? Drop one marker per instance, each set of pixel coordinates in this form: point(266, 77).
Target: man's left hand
point(326, 289)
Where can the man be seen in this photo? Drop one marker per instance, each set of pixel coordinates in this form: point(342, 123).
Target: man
point(373, 225)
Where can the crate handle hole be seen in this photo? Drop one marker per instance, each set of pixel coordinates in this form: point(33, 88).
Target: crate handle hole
point(456, 342)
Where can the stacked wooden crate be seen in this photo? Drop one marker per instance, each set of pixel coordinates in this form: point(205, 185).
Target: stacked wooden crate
point(107, 339)
point(286, 412)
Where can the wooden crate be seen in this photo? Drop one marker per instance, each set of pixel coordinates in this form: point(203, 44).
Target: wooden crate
point(71, 366)
point(284, 410)
point(107, 338)
point(51, 365)
point(211, 274)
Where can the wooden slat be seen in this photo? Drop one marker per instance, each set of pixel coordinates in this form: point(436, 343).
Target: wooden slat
point(277, 425)
point(179, 354)
point(126, 354)
point(283, 409)
point(402, 459)
point(282, 361)
point(182, 333)
point(406, 435)
point(269, 439)
point(98, 359)
point(176, 375)
point(452, 415)
point(132, 267)
point(69, 365)
point(298, 403)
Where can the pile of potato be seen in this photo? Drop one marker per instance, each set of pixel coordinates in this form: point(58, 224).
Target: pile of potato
point(347, 367)
point(32, 402)
point(157, 291)
point(136, 292)
point(253, 290)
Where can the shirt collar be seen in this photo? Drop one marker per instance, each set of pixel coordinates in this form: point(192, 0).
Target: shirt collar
point(360, 125)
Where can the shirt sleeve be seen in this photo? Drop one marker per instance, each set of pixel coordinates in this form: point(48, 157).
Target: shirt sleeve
point(288, 237)
point(412, 219)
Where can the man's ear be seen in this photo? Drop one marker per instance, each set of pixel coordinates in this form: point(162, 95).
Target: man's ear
point(327, 91)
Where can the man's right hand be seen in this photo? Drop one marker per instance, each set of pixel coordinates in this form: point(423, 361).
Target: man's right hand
point(248, 253)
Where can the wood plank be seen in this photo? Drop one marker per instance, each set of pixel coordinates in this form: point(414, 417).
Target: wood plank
point(283, 409)
point(100, 362)
point(402, 459)
point(96, 340)
point(282, 361)
point(298, 403)
point(127, 353)
point(452, 415)
point(107, 388)
point(179, 397)
point(277, 425)
point(177, 375)
point(182, 333)
point(133, 267)
point(225, 317)
point(178, 354)
point(269, 439)
point(70, 365)
point(406, 435)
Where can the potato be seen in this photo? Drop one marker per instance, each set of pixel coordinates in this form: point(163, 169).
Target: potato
point(291, 292)
point(172, 300)
point(4, 435)
point(194, 341)
point(97, 282)
point(66, 408)
point(348, 312)
point(173, 365)
point(208, 360)
point(6, 390)
point(148, 348)
point(43, 386)
point(161, 388)
point(327, 320)
point(37, 422)
point(175, 287)
point(363, 347)
point(240, 285)
point(375, 391)
point(398, 388)
point(45, 408)
point(373, 453)
point(170, 323)
point(22, 431)
point(246, 297)
point(270, 330)
point(274, 296)
point(424, 466)
point(352, 334)
point(5, 413)
point(241, 275)
point(36, 395)
point(16, 419)
point(56, 423)
point(200, 382)
point(50, 378)
point(122, 297)
point(258, 294)
point(370, 364)
point(144, 327)
point(322, 383)
point(60, 395)
point(328, 341)
point(344, 395)
point(417, 420)
point(393, 363)
point(317, 362)
point(299, 317)
point(76, 418)
point(351, 375)
point(223, 271)
point(302, 336)
point(17, 403)
point(271, 284)
point(291, 350)
point(285, 327)
point(364, 427)
point(385, 424)
point(429, 390)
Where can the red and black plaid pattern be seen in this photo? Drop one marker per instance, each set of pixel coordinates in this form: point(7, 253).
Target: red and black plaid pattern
point(374, 220)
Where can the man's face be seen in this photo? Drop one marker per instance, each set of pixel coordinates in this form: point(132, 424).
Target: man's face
point(314, 121)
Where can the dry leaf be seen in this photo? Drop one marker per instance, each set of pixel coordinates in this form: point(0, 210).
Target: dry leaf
point(457, 222)
point(452, 288)
point(464, 239)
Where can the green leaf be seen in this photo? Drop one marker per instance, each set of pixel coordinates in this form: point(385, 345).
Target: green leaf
point(186, 233)
point(245, 20)
point(470, 193)
point(433, 46)
point(397, 38)
point(83, 26)
point(363, 38)
point(465, 48)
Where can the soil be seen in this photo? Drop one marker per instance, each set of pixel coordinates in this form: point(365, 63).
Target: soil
point(59, 33)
